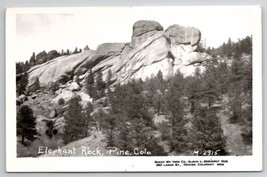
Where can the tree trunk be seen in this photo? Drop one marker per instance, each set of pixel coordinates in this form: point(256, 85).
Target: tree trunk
point(209, 102)
point(192, 107)
point(22, 139)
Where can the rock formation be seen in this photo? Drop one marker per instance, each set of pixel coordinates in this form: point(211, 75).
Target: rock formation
point(151, 49)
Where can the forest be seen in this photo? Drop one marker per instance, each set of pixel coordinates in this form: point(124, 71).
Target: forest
point(175, 116)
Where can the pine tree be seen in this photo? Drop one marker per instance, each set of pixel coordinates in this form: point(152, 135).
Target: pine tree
point(62, 52)
point(193, 87)
point(36, 85)
point(75, 51)
point(174, 105)
point(210, 90)
point(229, 48)
point(90, 85)
point(76, 124)
point(207, 133)
point(109, 76)
point(100, 84)
point(235, 84)
point(33, 59)
point(107, 124)
point(142, 137)
point(88, 118)
point(161, 85)
point(26, 66)
point(21, 83)
point(86, 48)
point(160, 76)
point(133, 120)
point(68, 52)
point(19, 68)
point(26, 123)
point(110, 130)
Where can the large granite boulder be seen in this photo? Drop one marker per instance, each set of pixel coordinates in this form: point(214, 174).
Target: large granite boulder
point(52, 70)
point(142, 30)
point(183, 35)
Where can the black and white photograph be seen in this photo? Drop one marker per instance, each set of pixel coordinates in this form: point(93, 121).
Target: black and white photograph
point(162, 88)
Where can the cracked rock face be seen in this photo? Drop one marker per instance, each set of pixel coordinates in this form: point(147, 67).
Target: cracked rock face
point(142, 30)
point(151, 49)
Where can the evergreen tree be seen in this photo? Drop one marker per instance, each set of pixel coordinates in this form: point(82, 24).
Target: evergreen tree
point(193, 88)
point(26, 66)
point(158, 100)
point(90, 85)
point(75, 51)
point(247, 133)
point(33, 59)
point(210, 90)
point(76, 124)
point(207, 133)
point(21, 83)
point(109, 76)
point(41, 57)
point(68, 52)
point(174, 105)
point(160, 83)
point(26, 123)
point(110, 127)
point(36, 85)
point(222, 72)
point(62, 52)
point(100, 84)
point(150, 86)
point(19, 68)
point(229, 48)
point(160, 76)
point(86, 48)
point(107, 124)
point(88, 118)
point(235, 87)
point(133, 120)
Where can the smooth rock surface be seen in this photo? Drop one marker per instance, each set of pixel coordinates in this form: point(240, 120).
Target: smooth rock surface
point(151, 49)
point(52, 70)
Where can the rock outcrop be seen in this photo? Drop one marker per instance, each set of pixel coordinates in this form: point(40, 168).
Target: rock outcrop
point(142, 30)
point(52, 70)
point(151, 49)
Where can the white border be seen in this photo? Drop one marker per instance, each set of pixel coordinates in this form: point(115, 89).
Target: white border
point(122, 164)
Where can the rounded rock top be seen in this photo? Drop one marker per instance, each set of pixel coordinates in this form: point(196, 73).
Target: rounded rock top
point(183, 35)
point(143, 26)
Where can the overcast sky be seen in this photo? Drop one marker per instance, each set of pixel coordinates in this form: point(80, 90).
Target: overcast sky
point(46, 29)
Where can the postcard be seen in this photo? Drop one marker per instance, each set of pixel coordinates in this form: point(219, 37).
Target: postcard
point(134, 89)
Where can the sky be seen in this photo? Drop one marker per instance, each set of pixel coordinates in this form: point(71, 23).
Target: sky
point(67, 28)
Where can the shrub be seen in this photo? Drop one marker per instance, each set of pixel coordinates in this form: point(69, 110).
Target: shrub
point(61, 101)
point(54, 86)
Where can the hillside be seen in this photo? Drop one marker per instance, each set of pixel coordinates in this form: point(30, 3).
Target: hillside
point(157, 93)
